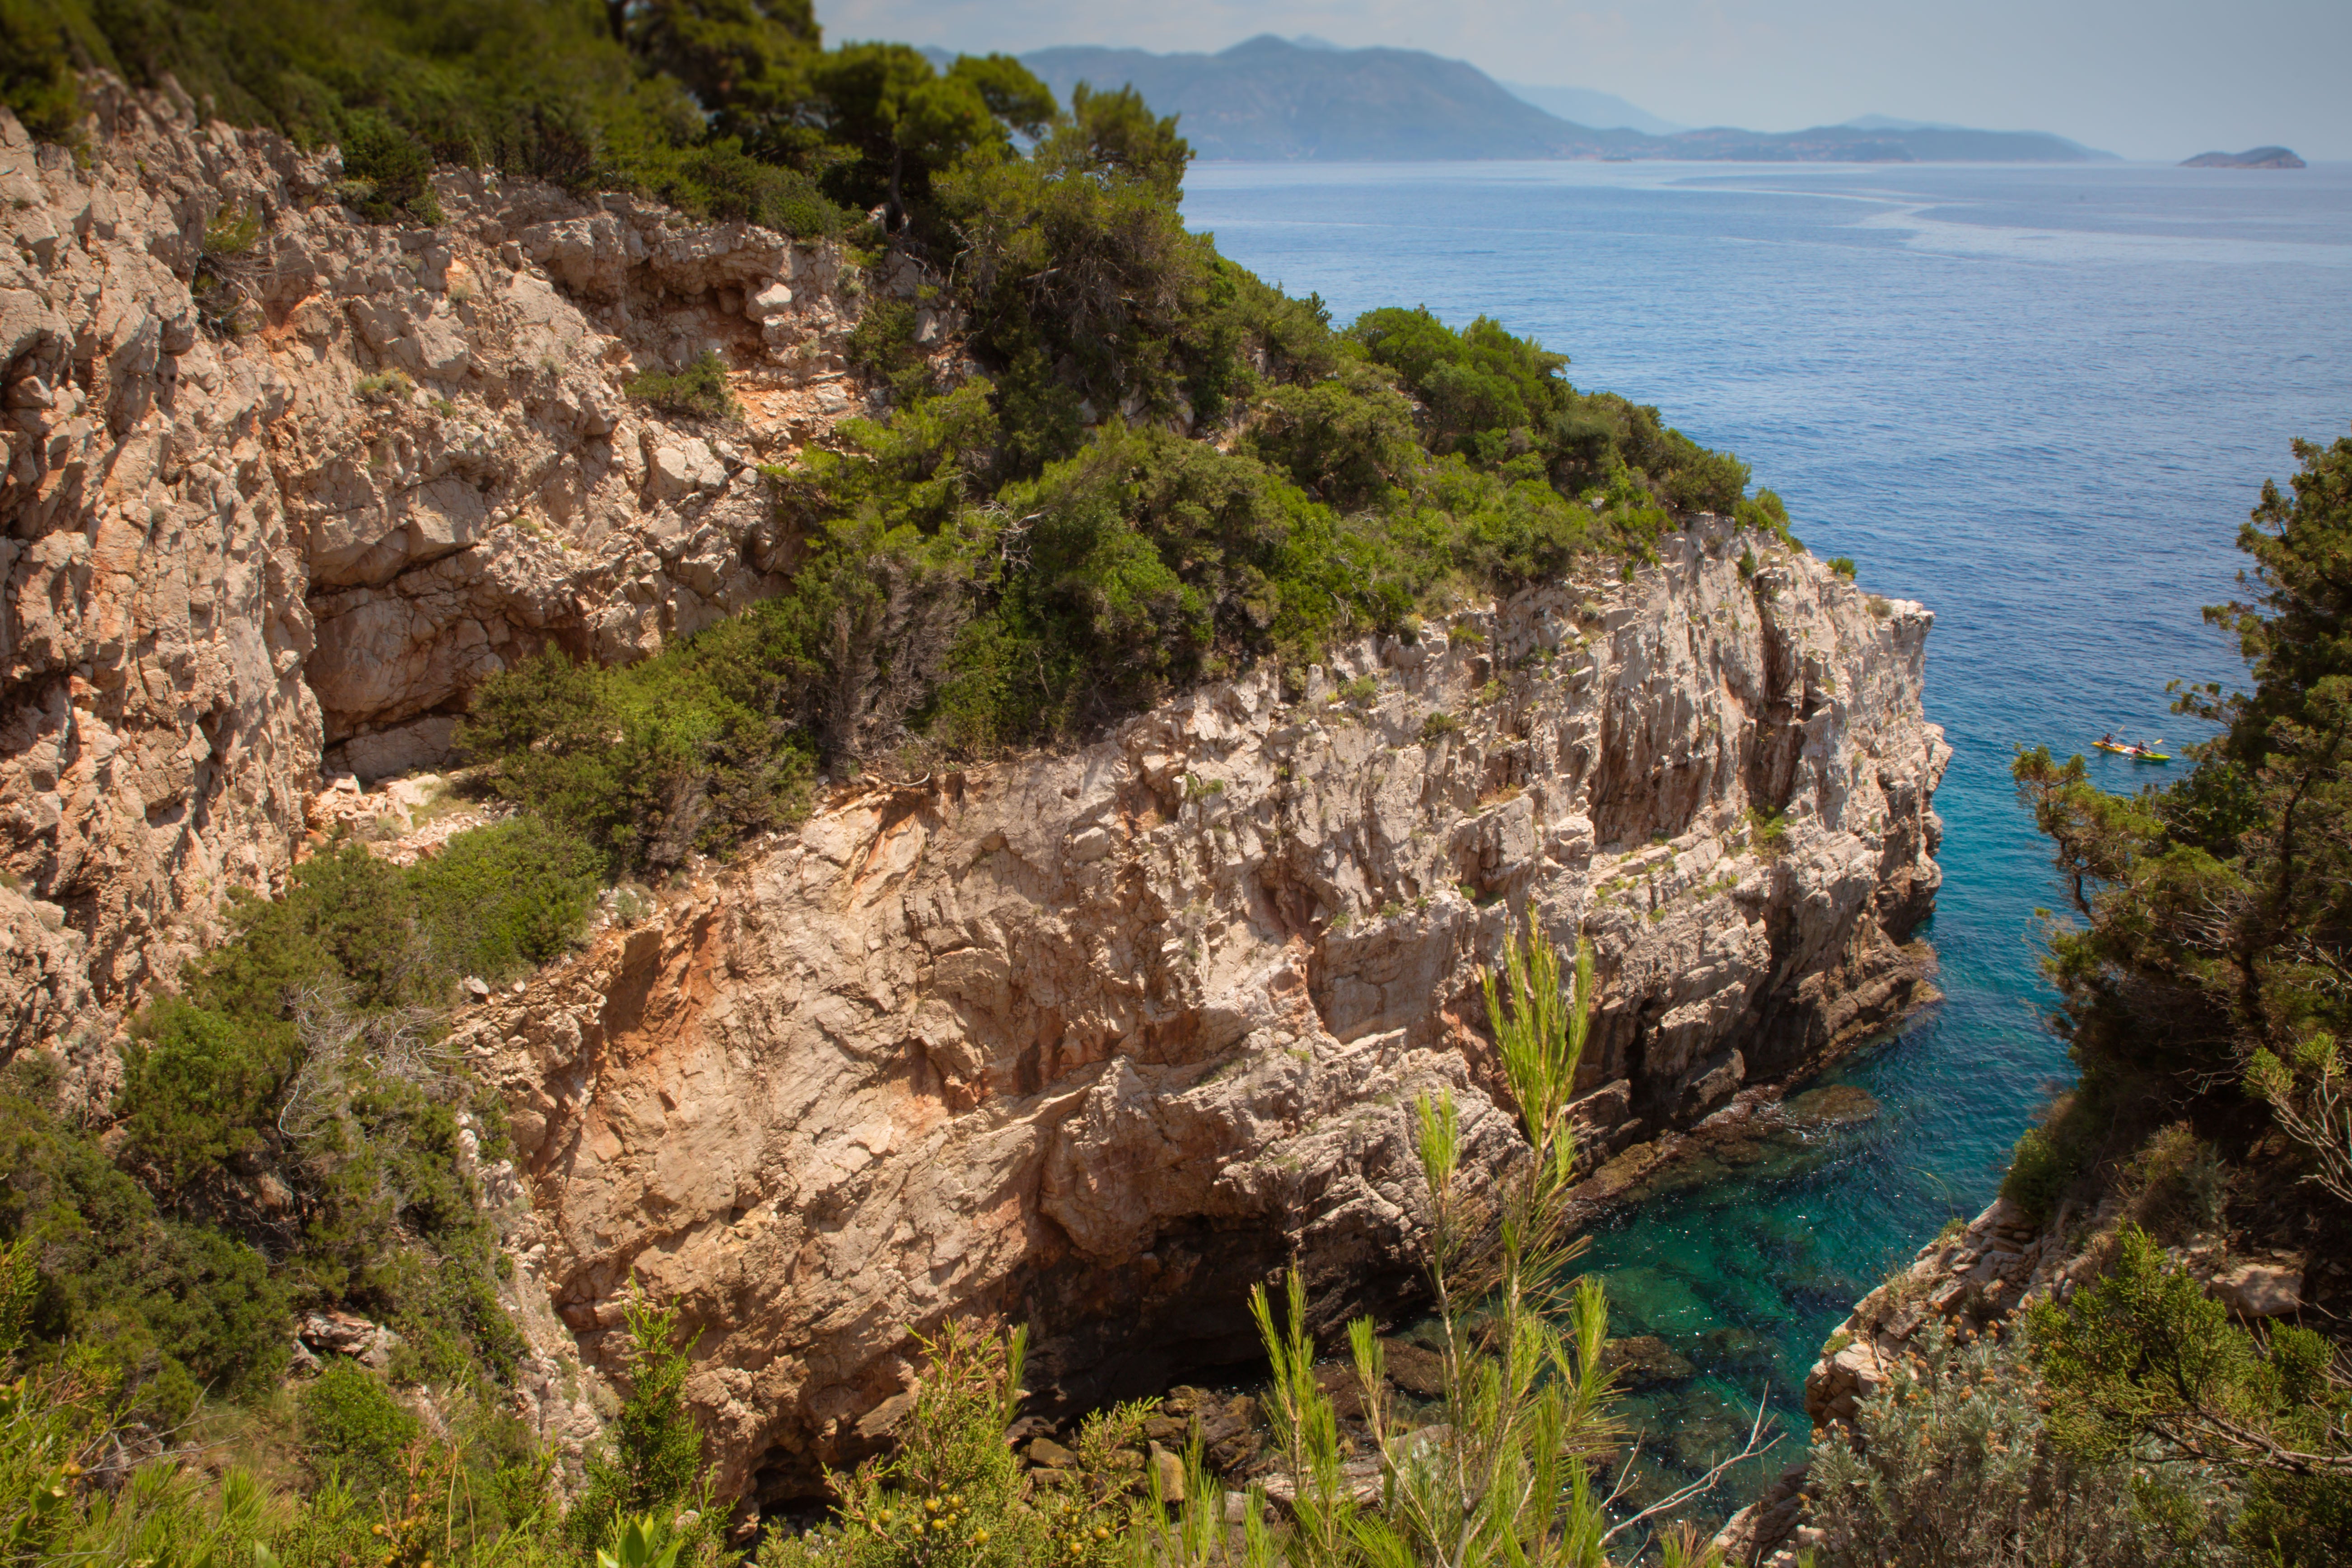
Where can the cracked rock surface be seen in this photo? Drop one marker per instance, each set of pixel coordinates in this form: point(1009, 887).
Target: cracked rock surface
point(282, 495)
point(1097, 1040)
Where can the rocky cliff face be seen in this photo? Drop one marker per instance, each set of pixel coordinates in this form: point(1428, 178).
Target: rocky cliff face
point(1096, 1040)
point(281, 487)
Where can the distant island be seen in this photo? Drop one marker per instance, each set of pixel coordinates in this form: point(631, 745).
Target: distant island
point(1274, 98)
point(2253, 158)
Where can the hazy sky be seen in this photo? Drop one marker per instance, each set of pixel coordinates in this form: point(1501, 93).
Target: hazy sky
point(2147, 79)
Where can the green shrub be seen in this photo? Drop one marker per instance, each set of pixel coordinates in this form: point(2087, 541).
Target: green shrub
point(233, 231)
point(1768, 831)
point(646, 764)
point(883, 342)
point(387, 386)
point(390, 172)
point(194, 1085)
point(701, 389)
point(1348, 441)
point(2038, 1171)
point(354, 1431)
point(1843, 565)
point(720, 180)
point(1765, 512)
point(2144, 1365)
point(505, 898)
point(1953, 1461)
point(170, 1307)
point(654, 1463)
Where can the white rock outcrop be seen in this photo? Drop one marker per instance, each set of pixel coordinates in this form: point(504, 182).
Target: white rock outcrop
point(289, 491)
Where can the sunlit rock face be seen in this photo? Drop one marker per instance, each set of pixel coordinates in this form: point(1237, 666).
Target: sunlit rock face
point(1096, 1040)
point(281, 487)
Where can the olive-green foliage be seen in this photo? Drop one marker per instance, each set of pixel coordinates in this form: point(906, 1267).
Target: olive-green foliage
point(69, 1494)
point(354, 1430)
point(654, 96)
point(701, 389)
point(883, 343)
point(392, 170)
point(81, 1481)
point(1348, 441)
point(1500, 401)
point(980, 572)
point(299, 1056)
point(1954, 1462)
point(2209, 907)
point(686, 752)
point(953, 1495)
point(2037, 1174)
point(42, 44)
point(1082, 286)
point(2211, 914)
point(654, 1464)
point(166, 1307)
point(2049, 1156)
point(900, 123)
point(2144, 1363)
point(505, 898)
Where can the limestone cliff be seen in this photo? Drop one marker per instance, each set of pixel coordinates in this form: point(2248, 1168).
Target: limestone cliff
point(1096, 1040)
point(1093, 1039)
point(281, 486)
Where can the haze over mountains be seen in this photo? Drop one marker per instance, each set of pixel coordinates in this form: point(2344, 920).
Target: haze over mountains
point(1276, 99)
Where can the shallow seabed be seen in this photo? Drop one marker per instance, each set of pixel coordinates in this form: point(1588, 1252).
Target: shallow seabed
point(2039, 399)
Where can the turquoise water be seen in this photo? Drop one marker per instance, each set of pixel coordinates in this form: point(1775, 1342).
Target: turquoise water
point(2040, 400)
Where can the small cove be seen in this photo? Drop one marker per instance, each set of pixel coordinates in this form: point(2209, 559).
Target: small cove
point(2041, 400)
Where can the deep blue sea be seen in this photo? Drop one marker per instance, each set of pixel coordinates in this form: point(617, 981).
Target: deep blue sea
point(2041, 401)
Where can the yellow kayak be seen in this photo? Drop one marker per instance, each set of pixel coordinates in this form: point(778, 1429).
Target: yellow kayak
point(2136, 753)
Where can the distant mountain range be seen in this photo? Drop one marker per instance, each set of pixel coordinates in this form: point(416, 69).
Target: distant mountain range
point(1276, 99)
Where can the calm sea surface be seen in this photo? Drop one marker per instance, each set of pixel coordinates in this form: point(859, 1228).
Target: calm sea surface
point(2040, 400)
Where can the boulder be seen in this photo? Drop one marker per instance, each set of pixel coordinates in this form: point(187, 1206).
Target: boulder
point(2259, 1290)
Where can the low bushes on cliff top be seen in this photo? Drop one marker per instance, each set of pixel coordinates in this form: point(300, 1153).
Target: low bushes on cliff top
point(949, 600)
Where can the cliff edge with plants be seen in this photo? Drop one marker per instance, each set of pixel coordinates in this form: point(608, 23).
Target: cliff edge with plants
point(995, 746)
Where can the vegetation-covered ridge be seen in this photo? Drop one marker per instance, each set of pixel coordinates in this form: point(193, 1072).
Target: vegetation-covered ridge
point(2144, 1413)
point(1135, 467)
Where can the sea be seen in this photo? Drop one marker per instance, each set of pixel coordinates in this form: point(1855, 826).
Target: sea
point(2041, 400)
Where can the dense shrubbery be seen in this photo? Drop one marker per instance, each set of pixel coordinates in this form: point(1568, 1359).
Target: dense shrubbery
point(1009, 561)
point(2202, 991)
point(1023, 557)
point(84, 1476)
point(729, 110)
point(1958, 1462)
point(2215, 919)
point(287, 1132)
point(1503, 1477)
